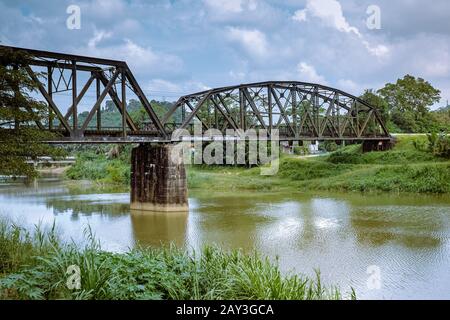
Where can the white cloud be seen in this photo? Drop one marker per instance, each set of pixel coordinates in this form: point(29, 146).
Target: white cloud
point(140, 59)
point(350, 86)
point(36, 19)
point(308, 73)
point(378, 50)
point(230, 6)
point(237, 75)
point(164, 88)
point(428, 56)
point(105, 8)
point(98, 37)
point(300, 15)
point(330, 13)
point(253, 41)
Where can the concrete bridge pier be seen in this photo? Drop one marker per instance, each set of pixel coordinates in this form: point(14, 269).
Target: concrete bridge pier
point(158, 183)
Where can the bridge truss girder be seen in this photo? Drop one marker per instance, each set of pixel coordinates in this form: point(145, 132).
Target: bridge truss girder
point(300, 111)
point(55, 73)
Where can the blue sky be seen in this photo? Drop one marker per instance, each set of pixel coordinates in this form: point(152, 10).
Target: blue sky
point(179, 47)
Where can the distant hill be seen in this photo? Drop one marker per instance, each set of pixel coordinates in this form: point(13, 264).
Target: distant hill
point(111, 117)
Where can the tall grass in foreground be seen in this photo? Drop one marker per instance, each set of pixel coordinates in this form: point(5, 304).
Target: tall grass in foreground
point(34, 267)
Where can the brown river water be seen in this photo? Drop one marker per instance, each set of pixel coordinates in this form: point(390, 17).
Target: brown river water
point(384, 246)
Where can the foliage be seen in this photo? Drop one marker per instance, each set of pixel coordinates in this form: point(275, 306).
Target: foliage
point(402, 169)
point(41, 264)
point(350, 155)
point(439, 144)
point(301, 150)
point(305, 170)
point(405, 168)
point(412, 178)
point(409, 100)
point(377, 101)
point(404, 152)
point(20, 139)
point(328, 146)
point(98, 167)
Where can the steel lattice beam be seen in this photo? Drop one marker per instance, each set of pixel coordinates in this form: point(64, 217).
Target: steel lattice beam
point(299, 110)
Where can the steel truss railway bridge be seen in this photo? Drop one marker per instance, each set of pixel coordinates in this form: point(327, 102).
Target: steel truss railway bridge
point(299, 111)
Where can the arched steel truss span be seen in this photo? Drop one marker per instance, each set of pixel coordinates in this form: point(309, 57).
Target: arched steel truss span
point(299, 110)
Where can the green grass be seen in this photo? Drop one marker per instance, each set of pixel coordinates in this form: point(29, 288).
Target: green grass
point(35, 267)
point(99, 168)
point(230, 179)
point(402, 169)
point(403, 152)
point(411, 178)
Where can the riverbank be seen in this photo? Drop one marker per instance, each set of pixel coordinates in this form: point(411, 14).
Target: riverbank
point(35, 266)
point(402, 169)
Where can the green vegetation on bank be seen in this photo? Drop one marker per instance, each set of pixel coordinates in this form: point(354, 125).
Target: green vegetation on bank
point(402, 169)
point(411, 166)
point(101, 167)
point(34, 266)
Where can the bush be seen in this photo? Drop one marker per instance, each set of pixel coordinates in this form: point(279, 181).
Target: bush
point(98, 167)
point(301, 150)
point(439, 144)
point(420, 144)
point(351, 155)
point(328, 146)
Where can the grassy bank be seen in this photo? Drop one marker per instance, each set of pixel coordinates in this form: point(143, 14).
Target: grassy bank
point(34, 266)
point(402, 169)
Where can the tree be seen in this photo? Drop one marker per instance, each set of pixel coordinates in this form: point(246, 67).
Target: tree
point(410, 98)
point(378, 102)
point(441, 118)
point(20, 114)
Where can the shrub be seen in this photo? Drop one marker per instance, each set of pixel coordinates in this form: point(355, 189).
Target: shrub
point(351, 155)
point(439, 144)
point(328, 146)
point(420, 144)
point(301, 150)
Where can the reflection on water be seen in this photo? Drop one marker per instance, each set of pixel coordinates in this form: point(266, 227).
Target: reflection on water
point(341, 234)
point(155, 228)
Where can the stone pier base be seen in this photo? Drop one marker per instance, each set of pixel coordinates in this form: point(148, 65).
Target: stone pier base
point(157, 182)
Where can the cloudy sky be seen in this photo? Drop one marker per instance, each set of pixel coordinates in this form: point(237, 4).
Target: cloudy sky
point(182, 46)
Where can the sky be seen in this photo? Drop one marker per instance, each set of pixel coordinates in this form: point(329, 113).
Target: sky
point(176, 47)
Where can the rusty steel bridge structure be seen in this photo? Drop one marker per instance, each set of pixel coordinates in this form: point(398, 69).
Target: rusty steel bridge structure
point(299, 111)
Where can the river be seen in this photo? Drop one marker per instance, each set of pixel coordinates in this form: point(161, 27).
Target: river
point(384, 246)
